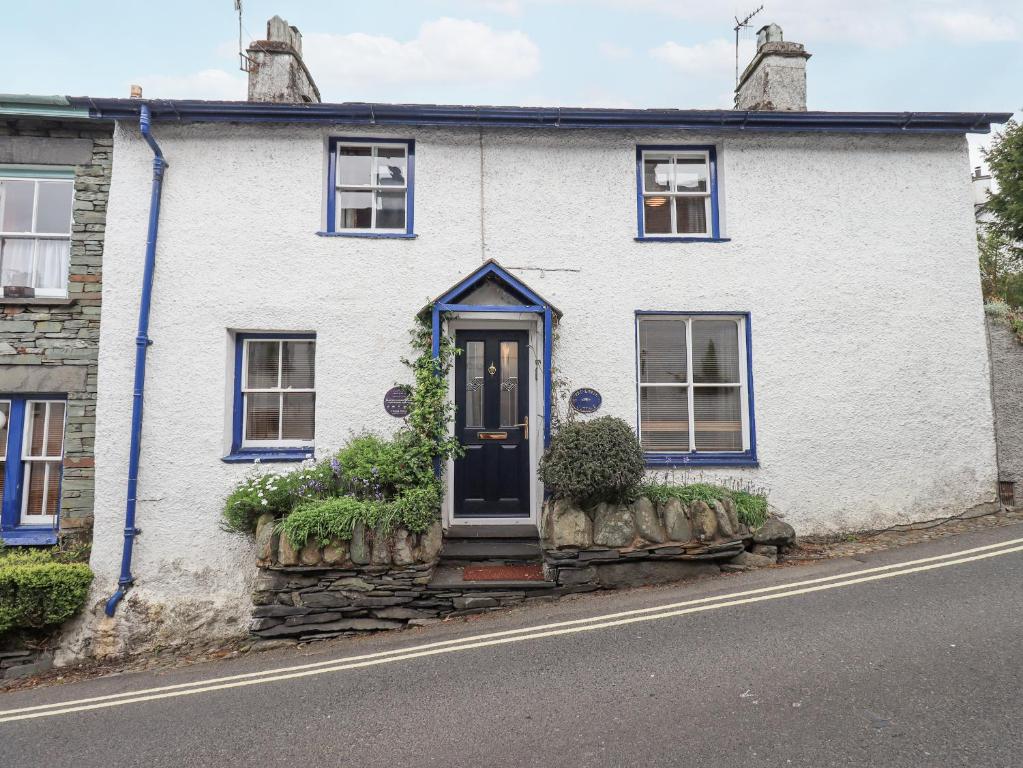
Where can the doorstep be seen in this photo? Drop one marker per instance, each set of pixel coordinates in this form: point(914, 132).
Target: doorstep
point(450, 577)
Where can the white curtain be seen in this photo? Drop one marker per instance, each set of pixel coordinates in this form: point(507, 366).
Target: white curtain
point(52, 264)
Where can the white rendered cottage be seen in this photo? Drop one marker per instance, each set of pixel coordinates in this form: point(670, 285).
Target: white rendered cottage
point(783, 296)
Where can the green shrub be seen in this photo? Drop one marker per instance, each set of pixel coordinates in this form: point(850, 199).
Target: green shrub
point(374, 468)
point(593, 461)
point(254, 496)
point(38, 592)
point(751, 508)
point(328, 519)
point(415, 509)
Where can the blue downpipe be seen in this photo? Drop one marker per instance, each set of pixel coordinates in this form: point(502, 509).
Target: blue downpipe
point(142, 342)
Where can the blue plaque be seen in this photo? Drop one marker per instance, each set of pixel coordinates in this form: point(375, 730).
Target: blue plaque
point(397, 401)
point(586, 400)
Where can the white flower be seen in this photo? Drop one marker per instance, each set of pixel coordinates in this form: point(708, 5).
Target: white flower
point(263, 502)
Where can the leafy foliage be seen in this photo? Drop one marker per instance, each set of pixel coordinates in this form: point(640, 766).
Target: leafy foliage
point(1005, 158)
point(593, 461)
point(328, 519)
point(750, 506)
point(38, 591)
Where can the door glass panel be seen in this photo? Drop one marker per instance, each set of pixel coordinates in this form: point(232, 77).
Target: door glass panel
point(509, 383)
point(474, 384)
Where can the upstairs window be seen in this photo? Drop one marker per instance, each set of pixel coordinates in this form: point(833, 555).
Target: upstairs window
point(372, 184)
point(35, 232)
point(677, 193)
point(275, 396)
point(694, 388)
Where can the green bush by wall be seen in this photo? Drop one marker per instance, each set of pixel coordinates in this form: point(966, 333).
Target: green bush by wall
point(39, 592)
point(593, 461)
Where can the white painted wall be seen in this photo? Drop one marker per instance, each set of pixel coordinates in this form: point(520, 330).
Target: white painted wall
point(855, 255)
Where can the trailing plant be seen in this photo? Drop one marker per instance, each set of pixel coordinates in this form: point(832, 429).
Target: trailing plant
point(327, 519)
point(593, 461)
point(751, 508)
point(750, 502)
point(38, 591)
point(256, 495)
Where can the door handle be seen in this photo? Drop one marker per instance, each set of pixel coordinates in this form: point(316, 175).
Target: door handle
point(525, 427)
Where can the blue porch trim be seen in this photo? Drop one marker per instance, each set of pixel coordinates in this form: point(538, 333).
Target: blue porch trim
point(450, 302)
point(715, 209)
point(410, 194)
point(747, 458)
point(239, 455)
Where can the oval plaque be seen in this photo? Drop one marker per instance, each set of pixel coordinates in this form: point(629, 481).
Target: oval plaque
point(397, 402)
point(586, 400)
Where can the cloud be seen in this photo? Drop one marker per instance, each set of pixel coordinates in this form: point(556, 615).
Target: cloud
point(212, 84)
point(444, 51)
point(967, 27)
point(712, 57)
point(613, 51)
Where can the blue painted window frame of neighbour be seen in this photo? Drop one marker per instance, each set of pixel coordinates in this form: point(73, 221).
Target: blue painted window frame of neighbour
point(715, 208)
point(410, 198)
point(249, 455)
point(746, 458)
point(11, 529)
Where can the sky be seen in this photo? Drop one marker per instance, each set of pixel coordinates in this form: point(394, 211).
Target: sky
point(897, 55)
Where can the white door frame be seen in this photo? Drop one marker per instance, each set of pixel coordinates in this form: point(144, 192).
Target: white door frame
point(533, 324)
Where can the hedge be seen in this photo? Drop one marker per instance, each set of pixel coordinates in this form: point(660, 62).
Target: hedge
point(37, 592)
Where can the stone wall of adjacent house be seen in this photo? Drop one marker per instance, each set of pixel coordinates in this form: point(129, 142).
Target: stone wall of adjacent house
point(51, 345)
point(1007, 393)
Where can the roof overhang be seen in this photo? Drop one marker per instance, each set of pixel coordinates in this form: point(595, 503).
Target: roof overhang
point(358, 113)
point(489, 271)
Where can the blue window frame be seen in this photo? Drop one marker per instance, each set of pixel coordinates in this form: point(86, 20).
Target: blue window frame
point(677, 194)
point(31, 467)
point(273, 415)
point(371, 188)
point(694, 389)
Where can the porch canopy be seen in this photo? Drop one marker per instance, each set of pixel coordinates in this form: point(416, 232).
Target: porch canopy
point(492, 288)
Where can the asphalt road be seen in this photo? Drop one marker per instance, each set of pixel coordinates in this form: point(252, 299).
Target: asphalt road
point(916, 665)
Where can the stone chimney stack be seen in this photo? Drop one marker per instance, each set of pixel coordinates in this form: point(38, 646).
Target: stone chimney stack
point(276, 70)
point(776, 78)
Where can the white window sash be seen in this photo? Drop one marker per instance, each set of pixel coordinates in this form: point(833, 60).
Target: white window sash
point(37, 236)
point(41, 462)
point(372, 187)
point(246, 442)
point(690, 386)
point(672, 193)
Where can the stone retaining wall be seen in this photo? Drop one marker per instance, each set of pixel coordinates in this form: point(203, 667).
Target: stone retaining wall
point(626, 545)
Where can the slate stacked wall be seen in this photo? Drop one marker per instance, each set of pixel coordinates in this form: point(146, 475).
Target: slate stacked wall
point(51, 345)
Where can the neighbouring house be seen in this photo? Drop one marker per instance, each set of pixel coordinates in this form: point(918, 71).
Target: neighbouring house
point(769, 294)
point(55, 165)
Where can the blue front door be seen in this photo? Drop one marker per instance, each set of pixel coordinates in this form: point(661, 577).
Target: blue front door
point(491, 422)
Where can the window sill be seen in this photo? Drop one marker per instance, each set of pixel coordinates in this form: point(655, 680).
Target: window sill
point(29, 536)
point(372, 235)
point(747, 459)
point(682, 239)
point(52, 301)
point(267, 456)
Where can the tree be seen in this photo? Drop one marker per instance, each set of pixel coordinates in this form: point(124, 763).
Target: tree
point(1001, 239)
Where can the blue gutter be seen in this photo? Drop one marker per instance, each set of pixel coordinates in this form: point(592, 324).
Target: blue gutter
point(142, 342)
point(357, 113)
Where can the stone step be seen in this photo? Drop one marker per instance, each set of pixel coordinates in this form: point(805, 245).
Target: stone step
point(524, 531)
point(508, 549)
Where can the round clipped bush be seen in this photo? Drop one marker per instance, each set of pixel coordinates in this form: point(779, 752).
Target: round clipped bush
point(593, 461)
point(37, 592)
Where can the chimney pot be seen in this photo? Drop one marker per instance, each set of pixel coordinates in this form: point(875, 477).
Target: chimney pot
point(136, 91)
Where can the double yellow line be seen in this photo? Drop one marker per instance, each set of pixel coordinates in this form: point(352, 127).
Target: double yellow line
point(669, 610)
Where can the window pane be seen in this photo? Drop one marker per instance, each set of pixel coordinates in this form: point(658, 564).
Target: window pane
point(691, 215)
point(16, 261)
point(356, 209)
point(391, 210)
point(5, 417)
point(54, 214)
point(664, 418)
point(657, 215)
point(18, 196)
point(53, 491)
point(474, 384)
point(299, 413)
point(298, 364)
point(509, 383)
point(718, 418)
point(656, 174)
point(715, 351)
point(262, 365)
point(35, 487)
point(37, 427)
point(662, 350)
point(390, 167)
point(690, 174)
point(262, 418)
point(355, 166)
point(52, 264)
point(55, 434)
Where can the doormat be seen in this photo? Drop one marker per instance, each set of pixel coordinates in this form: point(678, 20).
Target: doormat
point(503, 573)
